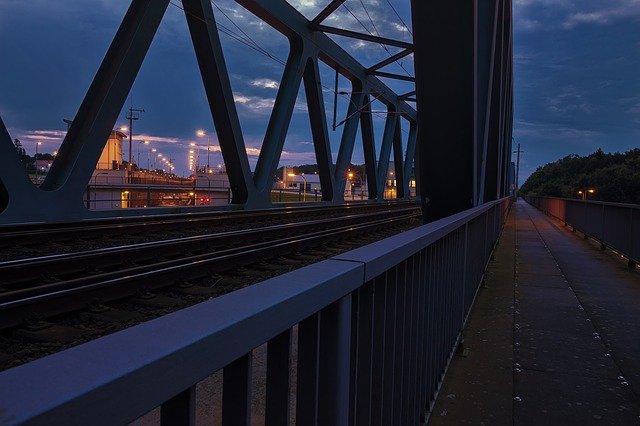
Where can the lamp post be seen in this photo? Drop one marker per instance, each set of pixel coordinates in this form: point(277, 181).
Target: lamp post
point(583, 193)
point(202, 133)
point(138, 157)
point(304, 188)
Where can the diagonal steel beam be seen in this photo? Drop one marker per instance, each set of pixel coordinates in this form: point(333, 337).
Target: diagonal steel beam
point(385, 151)
point(389, 60)
point(369, 148)
point(366, 37)
point(394, 76)
point(328, 10)
point(409, 156)
point(291, 23)
point(206, 42)
point(81, 148)
point(15, 186)
point(279, 122)
point(407, 95)
point(402, 187)
point(348, 139)
point(319, 131)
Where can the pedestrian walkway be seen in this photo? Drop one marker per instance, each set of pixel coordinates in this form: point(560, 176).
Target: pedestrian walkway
point(554, 337)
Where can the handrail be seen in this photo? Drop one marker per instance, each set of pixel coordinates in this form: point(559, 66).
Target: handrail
point(414, 289)
point(614, 225)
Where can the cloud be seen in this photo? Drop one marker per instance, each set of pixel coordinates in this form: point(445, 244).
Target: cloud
point(604, 15)
point(265, 83)
point(556, 132)
point(569, 101)
point(260, 105)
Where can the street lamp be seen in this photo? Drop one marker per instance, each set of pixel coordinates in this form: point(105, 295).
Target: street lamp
point(585, 191)
point(202, 133)
point(138, 157)
point(154, 160)
point(304, 188)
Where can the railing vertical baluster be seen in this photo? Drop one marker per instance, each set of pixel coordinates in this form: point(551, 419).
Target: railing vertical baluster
point(277, 390)
point(379, 348)
point(307, 374)
point(334, 363)
point(364, 353)
point(236, 392)
point(428, 359)
point(414, 282)
point(179, 410)
point(420, 395)
point(390, 336)
point(399, 344)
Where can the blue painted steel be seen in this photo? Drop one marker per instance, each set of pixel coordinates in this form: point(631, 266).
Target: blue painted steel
point(64, 188)
point(423, 282)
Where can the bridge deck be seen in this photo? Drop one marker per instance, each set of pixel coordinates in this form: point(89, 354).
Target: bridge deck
point(554, 338)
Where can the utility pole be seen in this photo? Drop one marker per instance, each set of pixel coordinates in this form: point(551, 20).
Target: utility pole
point(134, 114)
point(517, 169)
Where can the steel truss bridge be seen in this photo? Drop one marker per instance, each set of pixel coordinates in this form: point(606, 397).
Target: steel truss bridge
point(375, 328)
point(459, 139)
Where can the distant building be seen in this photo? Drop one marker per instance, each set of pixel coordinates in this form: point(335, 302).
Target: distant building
point(111, 157)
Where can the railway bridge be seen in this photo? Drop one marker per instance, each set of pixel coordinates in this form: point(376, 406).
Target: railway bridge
point(358, 331)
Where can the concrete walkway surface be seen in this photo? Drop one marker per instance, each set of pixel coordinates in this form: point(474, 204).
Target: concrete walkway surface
point(553, 338)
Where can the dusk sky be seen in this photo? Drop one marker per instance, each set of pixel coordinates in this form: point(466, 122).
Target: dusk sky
point(576, 67)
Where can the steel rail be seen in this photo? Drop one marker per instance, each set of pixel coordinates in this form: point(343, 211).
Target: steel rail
point(66, 296)
point(13, 233)
point(23, 270)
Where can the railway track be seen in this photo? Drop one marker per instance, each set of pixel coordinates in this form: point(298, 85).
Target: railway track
point(44, 286)
point(28, 240)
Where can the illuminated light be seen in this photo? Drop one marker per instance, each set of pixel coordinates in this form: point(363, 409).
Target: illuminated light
point(200, 133)
point(125, 192)
point(146, 142)
point(192, 144)
point(191, 151)
point(124, 128)
point(55, 153)
point(350, 175)
point(39, 143)
point(192, 194)
point(159, 155)
point(291, 175)
point(153, 150)
point(591, 191)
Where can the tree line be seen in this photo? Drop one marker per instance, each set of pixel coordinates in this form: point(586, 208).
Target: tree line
point(614, 177)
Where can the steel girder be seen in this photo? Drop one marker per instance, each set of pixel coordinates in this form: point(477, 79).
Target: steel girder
point(60, 197)
point(463, 58)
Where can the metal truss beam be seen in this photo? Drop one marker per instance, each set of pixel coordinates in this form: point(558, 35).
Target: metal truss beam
point(407, 95)
point(328, 10)
point(206, 42)
point(391, 59)
point(365, 37)
point(394, 76)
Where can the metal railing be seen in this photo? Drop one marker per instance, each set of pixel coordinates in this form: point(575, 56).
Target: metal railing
point(614, 225)
point(375, 329)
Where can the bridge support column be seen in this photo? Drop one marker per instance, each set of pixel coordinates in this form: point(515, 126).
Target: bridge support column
point(444, 39)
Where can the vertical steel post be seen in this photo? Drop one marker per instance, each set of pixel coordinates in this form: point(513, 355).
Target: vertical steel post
point(444, 39)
